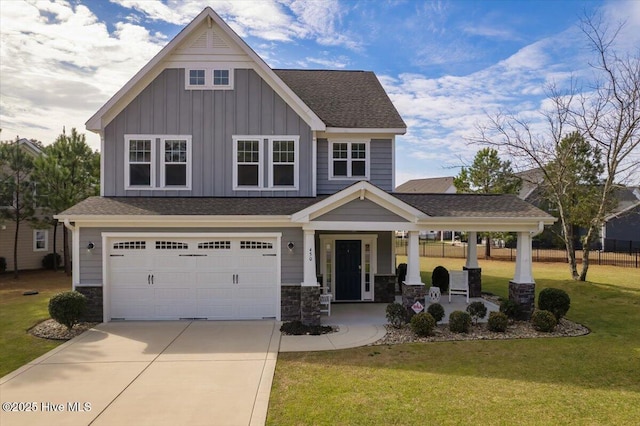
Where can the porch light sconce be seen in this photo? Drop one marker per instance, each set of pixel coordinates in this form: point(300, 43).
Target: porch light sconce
point(290, 245)
point(90, 247)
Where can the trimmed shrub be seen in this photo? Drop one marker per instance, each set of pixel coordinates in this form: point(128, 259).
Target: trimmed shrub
point(554, 300)
point(511, 309)
point(459, 321)
point(477, 310)
point(3, 264)
point(401, 273)
point(397, 314)
point(498, 321)
point(67, 308)
point(544, 321)
point(423, 324)
point(440, 278)
point(47, 260)
point(437, 311)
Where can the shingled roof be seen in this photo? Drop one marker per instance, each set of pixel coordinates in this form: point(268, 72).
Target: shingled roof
point(175, 206)
point(434, 205)
point(472, 205)
point(349, 99)
point(438, 185)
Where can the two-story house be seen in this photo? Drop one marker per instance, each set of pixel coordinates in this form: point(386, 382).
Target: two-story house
point(231, 190)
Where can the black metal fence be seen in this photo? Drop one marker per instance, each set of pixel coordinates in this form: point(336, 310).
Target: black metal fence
point(629, 258)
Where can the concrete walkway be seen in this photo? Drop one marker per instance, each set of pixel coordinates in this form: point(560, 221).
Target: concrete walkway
point(150, 373)
point(361, 324)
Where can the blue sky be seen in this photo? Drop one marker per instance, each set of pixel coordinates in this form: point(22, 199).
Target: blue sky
point(445, 64)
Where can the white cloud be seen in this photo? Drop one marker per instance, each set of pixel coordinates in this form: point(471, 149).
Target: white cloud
point(60, 64)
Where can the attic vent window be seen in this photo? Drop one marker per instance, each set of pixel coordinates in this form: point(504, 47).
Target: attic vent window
point(218, 78)
point(196, 77)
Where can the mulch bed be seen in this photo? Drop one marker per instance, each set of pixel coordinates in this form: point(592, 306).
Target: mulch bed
point(50, 329)
point(515, 330)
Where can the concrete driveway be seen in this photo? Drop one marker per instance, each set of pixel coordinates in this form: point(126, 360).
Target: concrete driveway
point(149, 373)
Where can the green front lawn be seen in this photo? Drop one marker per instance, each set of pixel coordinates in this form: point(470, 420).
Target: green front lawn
point(593, 379)
point(18, 313)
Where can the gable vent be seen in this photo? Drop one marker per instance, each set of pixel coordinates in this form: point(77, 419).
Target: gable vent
point(218, 42)
point(200, 42)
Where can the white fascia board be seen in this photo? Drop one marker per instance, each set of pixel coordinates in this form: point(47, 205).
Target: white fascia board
point(367, 130)
point(179, 221)
point(154, 67)
point(360, 226)
point(354, 191)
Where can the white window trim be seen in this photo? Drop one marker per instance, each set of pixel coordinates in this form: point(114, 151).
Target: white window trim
point(187, 79)
point(46, 239)
point(208, 77)
point(164, 186)
point(367, 164)
point(157, 143)
point(296, 162)
point(152, 182)
point(260, 140)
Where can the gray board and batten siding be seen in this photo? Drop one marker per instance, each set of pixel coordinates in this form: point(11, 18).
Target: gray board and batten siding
point(211, 117)
point(356, 210)
point(291, 260)
point(380, 167)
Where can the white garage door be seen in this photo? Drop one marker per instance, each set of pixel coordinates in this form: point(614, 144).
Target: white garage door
point(202, 278)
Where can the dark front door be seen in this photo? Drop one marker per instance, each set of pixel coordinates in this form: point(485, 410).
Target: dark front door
point(348, 270)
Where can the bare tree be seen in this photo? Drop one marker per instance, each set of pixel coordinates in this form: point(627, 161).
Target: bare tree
point(607, 116)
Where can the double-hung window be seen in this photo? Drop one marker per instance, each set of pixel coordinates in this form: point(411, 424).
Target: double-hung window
point(349, 160)
point(175, 163)
point(281, 162)
point(142, 161)
point(40, 240)
point(283, 169)
point(140, 168)
point(248, 170)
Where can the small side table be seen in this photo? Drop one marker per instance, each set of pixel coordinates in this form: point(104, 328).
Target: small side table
point(434, 294)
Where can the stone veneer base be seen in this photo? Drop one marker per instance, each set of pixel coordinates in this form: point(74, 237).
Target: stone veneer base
point(475, 281)
point(523, 294)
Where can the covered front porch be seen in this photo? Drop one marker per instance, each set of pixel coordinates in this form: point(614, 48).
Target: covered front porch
point(349, 248)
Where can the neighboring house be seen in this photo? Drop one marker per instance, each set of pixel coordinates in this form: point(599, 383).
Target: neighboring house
point(33, 242)
point(438, 185)
point(234, 191)
point(621, 228)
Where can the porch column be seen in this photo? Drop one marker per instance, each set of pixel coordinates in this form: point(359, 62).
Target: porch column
point(413, 289)
point(413, 260)
point(472, 251)
point(522, 287)
point(472, 268)
point(309, 259)
point(310, 289)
